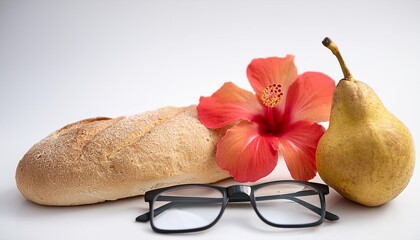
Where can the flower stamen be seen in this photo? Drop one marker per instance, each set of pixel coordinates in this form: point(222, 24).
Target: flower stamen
point(272, 95)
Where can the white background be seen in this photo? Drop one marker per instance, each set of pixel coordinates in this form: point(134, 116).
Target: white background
point(63, 61)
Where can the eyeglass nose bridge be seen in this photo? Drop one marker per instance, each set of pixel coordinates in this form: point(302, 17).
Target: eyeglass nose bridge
point(239, 193)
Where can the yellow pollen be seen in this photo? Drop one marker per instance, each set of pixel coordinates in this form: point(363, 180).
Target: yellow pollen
point(272, 95)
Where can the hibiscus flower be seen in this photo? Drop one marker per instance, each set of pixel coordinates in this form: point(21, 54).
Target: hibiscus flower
point(281, 117)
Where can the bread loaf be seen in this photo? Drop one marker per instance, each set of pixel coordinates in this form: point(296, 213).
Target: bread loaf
point(101, 159)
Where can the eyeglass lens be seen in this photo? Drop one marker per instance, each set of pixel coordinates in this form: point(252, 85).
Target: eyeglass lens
point(187, 208)
point(288, 203)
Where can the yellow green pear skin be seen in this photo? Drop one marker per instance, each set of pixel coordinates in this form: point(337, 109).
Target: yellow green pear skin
point(367, 154)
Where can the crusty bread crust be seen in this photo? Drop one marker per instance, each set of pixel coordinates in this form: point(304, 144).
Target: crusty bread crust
point(100, 159)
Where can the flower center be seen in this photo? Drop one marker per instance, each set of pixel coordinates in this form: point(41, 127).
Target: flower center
point(272, 95)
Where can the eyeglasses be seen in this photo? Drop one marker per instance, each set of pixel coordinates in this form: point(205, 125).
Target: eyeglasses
point(196, 207)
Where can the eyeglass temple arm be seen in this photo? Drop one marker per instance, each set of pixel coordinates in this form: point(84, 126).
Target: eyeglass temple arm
point(176, 201)
point(145, 217)
point(329, 216)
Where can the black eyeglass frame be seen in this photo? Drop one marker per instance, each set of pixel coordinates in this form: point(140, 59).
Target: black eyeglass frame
point(242, 193)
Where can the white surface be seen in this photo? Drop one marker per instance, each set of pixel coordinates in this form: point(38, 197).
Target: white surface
point(62, 61)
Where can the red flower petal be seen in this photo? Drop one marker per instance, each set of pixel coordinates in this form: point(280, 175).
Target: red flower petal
point(227, 105)
point(263, 72)
point(298, 146)
point(247, 155)
point(310, 97)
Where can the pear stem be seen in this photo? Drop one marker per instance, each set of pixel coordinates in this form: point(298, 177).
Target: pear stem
point(327, 42)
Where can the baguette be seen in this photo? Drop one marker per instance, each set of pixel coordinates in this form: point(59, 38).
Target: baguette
point(103, 159)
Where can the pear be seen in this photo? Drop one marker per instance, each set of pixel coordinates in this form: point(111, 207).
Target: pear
point(366, 154)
